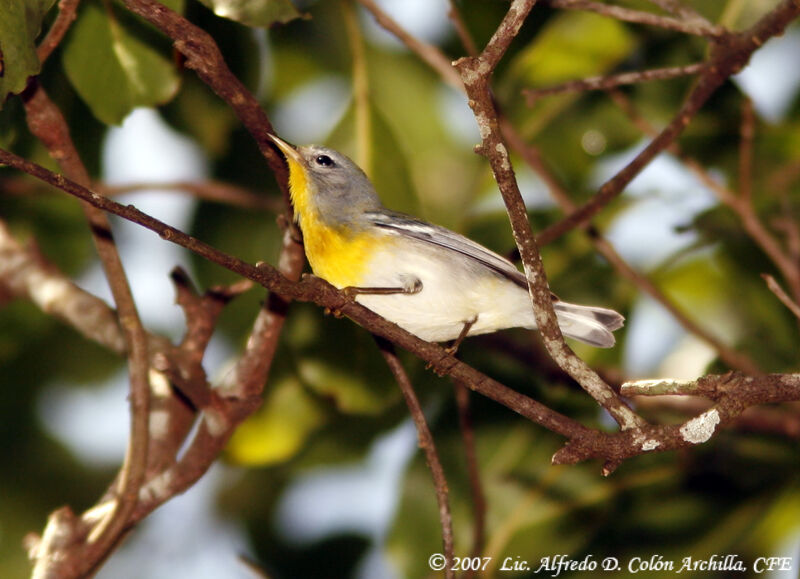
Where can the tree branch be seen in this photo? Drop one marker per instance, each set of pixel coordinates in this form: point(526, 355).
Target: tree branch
point(694, 26)
point(426, 443)
point(775, 288)
point(25, 274)
point(729, 54)
point(67, 11)
point(473, 472)
point(732, 393)
point(204, 57)
point(427, 52)
point(735, 360)
point(614, 80)
point(740, 204)
point(49, 126)
point(320, 292)
point(476, 73)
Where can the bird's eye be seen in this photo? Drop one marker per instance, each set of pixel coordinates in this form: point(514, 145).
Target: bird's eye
point(324, 161)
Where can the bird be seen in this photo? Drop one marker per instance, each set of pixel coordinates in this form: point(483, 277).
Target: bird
point(433, 282)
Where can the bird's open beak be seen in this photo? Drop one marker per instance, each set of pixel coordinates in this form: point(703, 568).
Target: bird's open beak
point(289, 150)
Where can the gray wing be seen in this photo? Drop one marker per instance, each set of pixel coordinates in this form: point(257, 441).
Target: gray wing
point(401, 224)
point(589, 323)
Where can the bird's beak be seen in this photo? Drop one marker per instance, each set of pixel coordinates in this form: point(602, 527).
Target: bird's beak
point(288, 150)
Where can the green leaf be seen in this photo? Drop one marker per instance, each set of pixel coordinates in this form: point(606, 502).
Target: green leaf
point(256, 13)
point(20, 24)
point(112, 70)
point(279, 429)
point(573, 45)
point(204, 116)
point(382, 157)
point(339, 361)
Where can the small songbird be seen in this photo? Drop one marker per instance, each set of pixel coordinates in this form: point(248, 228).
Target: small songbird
point(429, 280)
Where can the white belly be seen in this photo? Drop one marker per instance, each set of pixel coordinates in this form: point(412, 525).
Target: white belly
point(455, 290)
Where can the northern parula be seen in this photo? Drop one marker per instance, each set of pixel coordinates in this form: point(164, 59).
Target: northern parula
point(429, 280)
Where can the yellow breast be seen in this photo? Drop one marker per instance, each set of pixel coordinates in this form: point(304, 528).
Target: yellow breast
point(335, 254)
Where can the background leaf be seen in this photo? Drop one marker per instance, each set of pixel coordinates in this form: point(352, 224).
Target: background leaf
point(112, 70)
point(257, 13)
point(20, 23)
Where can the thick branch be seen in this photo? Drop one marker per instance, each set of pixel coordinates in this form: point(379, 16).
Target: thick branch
point(476, 73)
point(614, 80)
point(323, 294)
point(735, 360)
point(25, 274)
point(732, 393)
point(49, 126)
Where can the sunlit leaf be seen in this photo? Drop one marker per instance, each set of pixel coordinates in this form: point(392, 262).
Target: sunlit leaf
point(257, 13)
point(572, 45)
point(340, 362)
point(199, 112)
point(20, 23)
point(383, 157)
point(112, 70)
point(280, 427)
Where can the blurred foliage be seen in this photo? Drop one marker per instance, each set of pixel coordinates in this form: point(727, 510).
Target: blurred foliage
point(19, 27)
point(125, 72)
point(330, 396)
point(254, 12)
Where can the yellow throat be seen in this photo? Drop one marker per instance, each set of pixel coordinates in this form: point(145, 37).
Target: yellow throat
point(335, 254)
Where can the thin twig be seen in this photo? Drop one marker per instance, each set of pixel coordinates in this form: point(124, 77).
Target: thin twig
point(694, 27)
point(454, 13)
point(726, 58)
point(775, 288)
point(746, 134)
point(361, 99)
point(427, 444)
point(67, 10)
point(209, 190)
point(786, 222)
point(206, 190)
point(745, 211)
point(680, 9)
point(614, 80)
point(427, 52)
point(49, 126)
point(612, 188)
point(473, 471)
point(533, 158)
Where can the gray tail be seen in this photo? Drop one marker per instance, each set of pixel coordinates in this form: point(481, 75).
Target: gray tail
point(588, 324)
